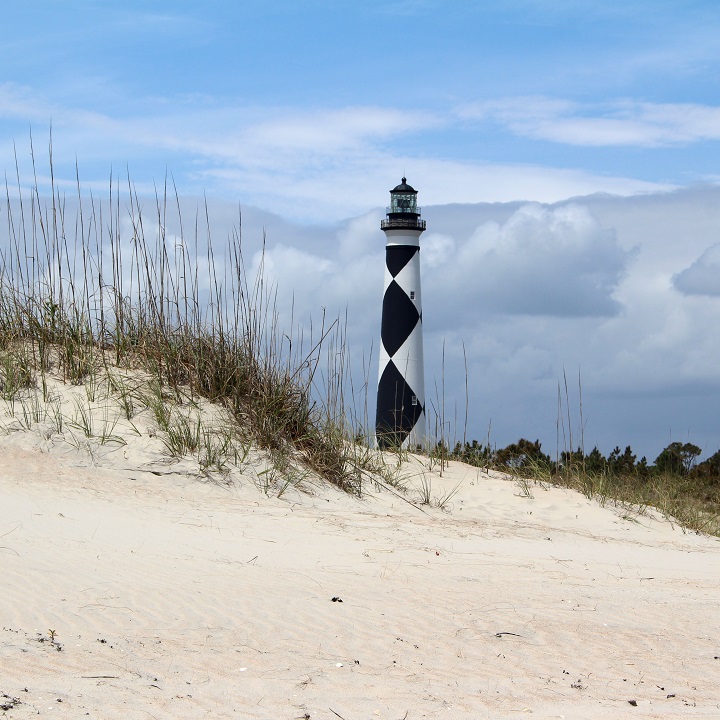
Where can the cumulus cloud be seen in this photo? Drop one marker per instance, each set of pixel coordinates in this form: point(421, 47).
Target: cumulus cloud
point(437, 249)
point(619, 123)
point(360, 236)
point(542, 261)
point(703, 276)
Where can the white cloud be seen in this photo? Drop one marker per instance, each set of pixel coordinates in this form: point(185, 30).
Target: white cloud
point(328, 131)
point(556, 262)
point(437, 250)
point(320, 165)
point(703, 276)
point(360, 236)
point(18, 102)
point(332, 193)
point(618, 123)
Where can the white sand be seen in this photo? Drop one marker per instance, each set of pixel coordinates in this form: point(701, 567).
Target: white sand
point(173, 597)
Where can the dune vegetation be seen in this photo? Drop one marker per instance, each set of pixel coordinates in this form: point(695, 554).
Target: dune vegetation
point(677, 485)
point(87, 295)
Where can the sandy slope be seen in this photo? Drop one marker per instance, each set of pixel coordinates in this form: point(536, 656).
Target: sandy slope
point(171, 597)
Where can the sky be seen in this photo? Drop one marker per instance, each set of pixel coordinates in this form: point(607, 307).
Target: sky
point(565, 152)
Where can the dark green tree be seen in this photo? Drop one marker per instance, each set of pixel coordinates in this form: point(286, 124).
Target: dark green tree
point(595, 462)
point(572, 460)
point(642, 468)
point(522, 454)
point(474, 453)
point(622, 463)
point(677, 458)
point(709, 468)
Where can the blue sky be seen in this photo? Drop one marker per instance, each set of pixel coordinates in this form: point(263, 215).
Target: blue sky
point(311, 110)
point(279, 102)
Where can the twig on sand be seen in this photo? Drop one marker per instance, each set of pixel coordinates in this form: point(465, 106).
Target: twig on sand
point(338, 714)
point(395, 493)
point(12, 530)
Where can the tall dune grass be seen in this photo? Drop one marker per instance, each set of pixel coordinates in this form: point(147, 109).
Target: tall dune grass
point(104, 284)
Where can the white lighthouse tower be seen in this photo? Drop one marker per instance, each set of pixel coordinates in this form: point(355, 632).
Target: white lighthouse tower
point(400, 417)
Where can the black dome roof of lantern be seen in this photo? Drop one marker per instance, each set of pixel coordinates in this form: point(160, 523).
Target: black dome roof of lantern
point(403, 187)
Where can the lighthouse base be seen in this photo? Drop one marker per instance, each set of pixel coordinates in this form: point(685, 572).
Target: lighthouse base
point(400, 418)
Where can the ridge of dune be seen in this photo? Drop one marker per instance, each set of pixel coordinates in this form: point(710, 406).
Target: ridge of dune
point(136, 587)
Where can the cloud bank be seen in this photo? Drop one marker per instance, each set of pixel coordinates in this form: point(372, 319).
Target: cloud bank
point(522, 293)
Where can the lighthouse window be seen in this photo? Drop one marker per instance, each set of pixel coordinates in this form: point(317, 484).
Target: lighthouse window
point(414, 399)
point(412, 294)
point(403, 203)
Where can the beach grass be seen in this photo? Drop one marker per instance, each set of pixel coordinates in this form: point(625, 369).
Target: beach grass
point(107, 288)
point(688, 497)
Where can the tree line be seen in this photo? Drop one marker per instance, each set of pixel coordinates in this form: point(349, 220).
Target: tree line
point(676, 459)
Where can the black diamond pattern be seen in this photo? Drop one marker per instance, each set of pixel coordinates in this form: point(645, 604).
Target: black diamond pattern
point(396, 415)
point(399, 318)
point(398, 256)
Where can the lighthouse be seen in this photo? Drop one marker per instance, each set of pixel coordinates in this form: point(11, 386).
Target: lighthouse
point(400, 417)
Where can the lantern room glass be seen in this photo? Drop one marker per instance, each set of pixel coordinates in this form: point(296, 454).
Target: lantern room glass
point(403, 203)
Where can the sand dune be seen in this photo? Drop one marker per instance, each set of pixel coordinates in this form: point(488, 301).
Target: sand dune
point(139, 589)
